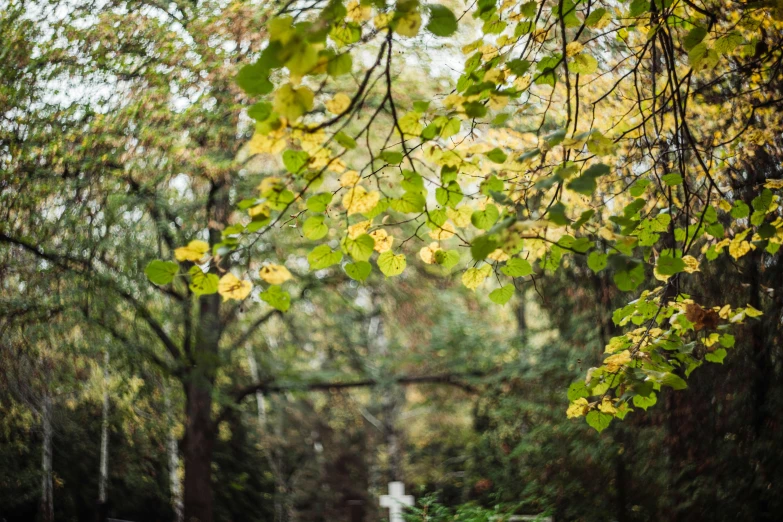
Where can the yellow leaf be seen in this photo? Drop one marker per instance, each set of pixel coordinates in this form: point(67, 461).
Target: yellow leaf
point(724, 205)
point(293, 102)
point(260, 210)
point(460, 216)
point(752, 312)
point(266, 144)
point(616, 361)
point(381, 20)
point(193, 252)
point(357, 12)
point(606, 406)
point(269, 184)
point(498, 255)
point(473, 277)
point(691, 264)
point(358, 201)
point(275, 274)
point(427, 254)
point(578, 408)
point(725, 312)
point(711, 339)
point(739, 247)
point(659, 276)
point(445, 231)
point(574, 48)
point(338, 104)
point(774, 184)
point(230, 287)
point(349, 179)
point(357, 229)
point(408, 24)
point(383, 241)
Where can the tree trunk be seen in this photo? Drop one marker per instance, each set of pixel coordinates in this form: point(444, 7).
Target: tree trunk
point(199, 428)
point(175, 487)
point(254, 373)
point(198, 448)
point(47, 495)
point(103, 478)
point(199, 380)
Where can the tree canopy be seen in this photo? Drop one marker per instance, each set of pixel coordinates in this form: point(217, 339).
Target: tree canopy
point(640, 135)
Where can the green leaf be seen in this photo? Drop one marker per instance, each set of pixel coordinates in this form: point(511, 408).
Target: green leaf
point(409, 202)
point(578, 390)
point(360, 248)
point(645, 402)
point(694, 37)
point(314, 228)
point(345, 140)
point(295, 160)
point(638, 188)
point(339, 65)
point(629, 279)
point(254, 79)
point(672, 179)
point(451, 128)
point(391, 157)
point(358, 271)
point(390, 264)
point(583, 63)
point(496, 155)
point(450, 196)
point(293, 102)
point(583, 218)
point(260, 111)
point(638, 8)
point(517, 267)
point(482, 246)
point(740, 210)
point(668, 265)
point(717, 356)
point(726, 44)
point(322, 257)
point(475, 109)
point(596, 261)
point(598, 420)
point(442, 20)
point(674, 381)
point(161, 272)
point(277, 298)
point(447, 258)
point(201, 283)
point(597, 16)
point(557, 214)
point(319, 202)
point(502, 295)
point(518, 66)
point(484, 219)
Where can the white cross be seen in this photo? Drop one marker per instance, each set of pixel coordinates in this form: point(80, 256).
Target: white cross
point(395, 501)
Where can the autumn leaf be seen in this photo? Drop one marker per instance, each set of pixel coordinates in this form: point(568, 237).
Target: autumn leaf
point(193, 252)
point(231, 287)
point(275, 274)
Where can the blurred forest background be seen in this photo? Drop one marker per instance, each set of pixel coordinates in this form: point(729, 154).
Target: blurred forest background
point(116, 117)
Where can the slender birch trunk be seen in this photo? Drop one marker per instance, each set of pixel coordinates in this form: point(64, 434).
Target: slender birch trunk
point(47, 493)
point(253, 365)
point(175, 486)
point(103, 477)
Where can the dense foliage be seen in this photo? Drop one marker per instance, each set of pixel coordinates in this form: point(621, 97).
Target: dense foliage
point(423, 237)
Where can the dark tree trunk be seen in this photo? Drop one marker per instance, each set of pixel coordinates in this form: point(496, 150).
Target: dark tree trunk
point(199, 444)
point(200, 430)
point(199, 382)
